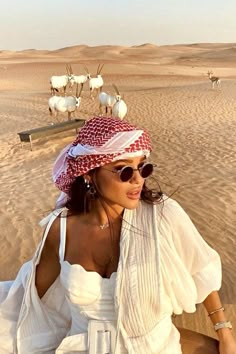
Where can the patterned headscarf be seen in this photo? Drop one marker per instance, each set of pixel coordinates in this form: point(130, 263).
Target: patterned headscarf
point(100, 141)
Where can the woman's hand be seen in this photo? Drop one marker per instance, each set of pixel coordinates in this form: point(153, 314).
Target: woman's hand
point(215, 311)
point(227, 343)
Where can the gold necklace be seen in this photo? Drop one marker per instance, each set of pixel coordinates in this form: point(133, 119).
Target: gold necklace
point(101, 226)
point(104, 226)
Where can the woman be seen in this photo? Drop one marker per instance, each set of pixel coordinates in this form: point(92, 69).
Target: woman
point(116, 259)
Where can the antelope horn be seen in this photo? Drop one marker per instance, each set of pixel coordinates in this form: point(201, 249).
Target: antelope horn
point(100, 70)
point(86, 69)
point(67, 69)
point(71, 71)
point(77, 88)
point(81, 89)
point(116, 89)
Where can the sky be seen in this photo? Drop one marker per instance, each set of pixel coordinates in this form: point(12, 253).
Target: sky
point(54, 24)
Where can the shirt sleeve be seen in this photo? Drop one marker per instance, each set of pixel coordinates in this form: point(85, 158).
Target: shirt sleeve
point(196, 265)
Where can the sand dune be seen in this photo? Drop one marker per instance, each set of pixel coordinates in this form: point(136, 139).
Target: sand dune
point(167, 92)
point(145, 52)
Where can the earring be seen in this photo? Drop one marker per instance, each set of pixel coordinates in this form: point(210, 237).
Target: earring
point(90, 188)
point(92, 191)
point(87, 184)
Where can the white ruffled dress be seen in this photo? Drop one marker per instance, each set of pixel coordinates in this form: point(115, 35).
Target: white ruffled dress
point(165, 266)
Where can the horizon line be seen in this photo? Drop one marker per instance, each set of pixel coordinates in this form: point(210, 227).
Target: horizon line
point(118, 45)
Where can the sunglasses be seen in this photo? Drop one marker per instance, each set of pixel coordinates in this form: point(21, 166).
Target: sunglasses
point(126, 173)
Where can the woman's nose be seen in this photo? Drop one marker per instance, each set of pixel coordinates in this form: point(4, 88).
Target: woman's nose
point(136, 178)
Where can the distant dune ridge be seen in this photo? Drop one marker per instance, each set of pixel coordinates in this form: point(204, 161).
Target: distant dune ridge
point(167, 92)
point(149, 52)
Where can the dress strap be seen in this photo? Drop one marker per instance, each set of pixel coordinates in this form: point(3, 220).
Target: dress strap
point(62, 246)
point(48, 221)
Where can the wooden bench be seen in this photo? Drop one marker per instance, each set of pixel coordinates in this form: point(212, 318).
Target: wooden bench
point(54, 128)
point(197, 343)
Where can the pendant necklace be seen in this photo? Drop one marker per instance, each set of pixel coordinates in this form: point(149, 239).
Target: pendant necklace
point(104, 226)
point(101, 226)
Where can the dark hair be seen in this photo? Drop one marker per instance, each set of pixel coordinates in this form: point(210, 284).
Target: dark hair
point(80, 199)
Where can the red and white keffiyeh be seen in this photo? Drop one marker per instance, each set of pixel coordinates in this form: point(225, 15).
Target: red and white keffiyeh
point(100, 141)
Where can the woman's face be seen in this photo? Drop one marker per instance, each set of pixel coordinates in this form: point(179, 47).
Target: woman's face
point(118, 194)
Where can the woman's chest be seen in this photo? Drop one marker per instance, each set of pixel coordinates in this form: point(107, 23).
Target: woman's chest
point(94, 251)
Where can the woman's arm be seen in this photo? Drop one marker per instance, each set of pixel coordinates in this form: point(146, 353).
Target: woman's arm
point(49, 267)
point(216, 313)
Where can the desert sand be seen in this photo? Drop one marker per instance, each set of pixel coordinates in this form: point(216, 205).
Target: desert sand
point(166, 88)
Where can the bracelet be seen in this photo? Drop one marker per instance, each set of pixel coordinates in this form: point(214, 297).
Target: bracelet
point(223, 324)
point(214, 311)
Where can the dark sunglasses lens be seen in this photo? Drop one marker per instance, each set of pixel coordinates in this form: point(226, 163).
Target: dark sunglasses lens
point(126, 174)
point(146, 170)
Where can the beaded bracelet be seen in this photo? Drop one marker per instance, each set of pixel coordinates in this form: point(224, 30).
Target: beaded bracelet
point(214, 311)
point(223, 324)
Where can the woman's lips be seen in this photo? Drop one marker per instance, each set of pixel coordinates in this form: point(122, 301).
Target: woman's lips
point(134, 195)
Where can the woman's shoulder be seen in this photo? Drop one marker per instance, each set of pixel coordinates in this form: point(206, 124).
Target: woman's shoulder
point(53, 228)
point(167, 212)
point(169, 205)
point(53, 236)
point(164, 206)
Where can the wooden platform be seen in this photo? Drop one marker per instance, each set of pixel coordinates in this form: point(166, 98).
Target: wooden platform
point(33, 134)
point(197, 343)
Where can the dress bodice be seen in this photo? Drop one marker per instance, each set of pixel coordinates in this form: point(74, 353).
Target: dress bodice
point(88, 294)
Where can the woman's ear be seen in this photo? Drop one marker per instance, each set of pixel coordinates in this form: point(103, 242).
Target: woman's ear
point(87, 178)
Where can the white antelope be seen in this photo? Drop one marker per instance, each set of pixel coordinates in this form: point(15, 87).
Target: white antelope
point(119, 109)
point(64, 104)
point(214, 79)
point(96, 83)
point(107, 101)
point(60, 82)
point(79, 79)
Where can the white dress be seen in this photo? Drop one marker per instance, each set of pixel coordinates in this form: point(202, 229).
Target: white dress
point(165, 266)
point(90, 298)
